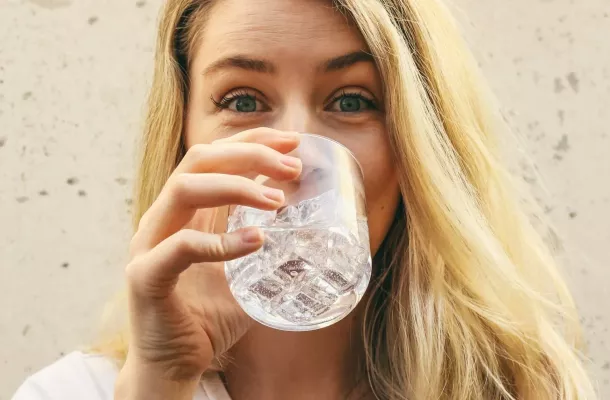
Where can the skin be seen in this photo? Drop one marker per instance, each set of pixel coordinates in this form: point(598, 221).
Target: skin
point(182, 313)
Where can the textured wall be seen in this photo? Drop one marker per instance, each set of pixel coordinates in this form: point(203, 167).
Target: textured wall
point(73, 77)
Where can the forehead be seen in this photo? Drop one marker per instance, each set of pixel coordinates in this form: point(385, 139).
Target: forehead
point(279, 27)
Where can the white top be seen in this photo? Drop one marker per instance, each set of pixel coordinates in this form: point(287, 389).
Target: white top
point(80, 376)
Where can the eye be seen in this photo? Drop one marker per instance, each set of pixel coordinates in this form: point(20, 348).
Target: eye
point(241, 102)
point(353, 102)
point(244, 104)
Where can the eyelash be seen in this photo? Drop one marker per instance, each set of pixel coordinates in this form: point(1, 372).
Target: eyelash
point(224, 102)
point(372, 104)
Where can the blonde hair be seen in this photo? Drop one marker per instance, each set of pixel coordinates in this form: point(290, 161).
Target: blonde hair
point(468, 303)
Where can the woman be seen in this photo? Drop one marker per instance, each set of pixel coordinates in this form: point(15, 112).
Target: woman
point(464, 298)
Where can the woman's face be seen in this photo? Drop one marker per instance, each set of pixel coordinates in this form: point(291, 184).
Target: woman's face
point(294, 65)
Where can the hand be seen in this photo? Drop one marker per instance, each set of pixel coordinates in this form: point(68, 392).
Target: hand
point(179, 325)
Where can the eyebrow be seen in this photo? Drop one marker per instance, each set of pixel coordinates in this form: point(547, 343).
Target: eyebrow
point(242, 62)
point(263, 66)
point(348, 60)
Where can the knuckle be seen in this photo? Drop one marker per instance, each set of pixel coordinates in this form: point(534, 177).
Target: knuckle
point(247, 189)
point(255, 154)
point(248, 149)
point(198, 151)
point(139, 279)
point(133, 271)
point(253, 192)
point(179, 185)
point(263, 130)
point(192, 242)
point(185, 242)
point(218, 249)
point(256, 133)
point(260, 150)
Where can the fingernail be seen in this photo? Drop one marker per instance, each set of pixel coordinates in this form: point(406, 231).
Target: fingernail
point(274, 194)
point(291, 162)
point(252, 235)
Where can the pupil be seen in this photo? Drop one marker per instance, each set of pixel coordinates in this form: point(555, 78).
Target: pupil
point(245, 104)
point(349, 104)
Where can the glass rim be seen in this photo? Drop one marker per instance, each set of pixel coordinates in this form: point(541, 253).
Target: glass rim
point(342, 146)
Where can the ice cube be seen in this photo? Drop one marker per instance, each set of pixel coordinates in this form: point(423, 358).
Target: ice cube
point(357, 255)
point(319, 290)
point(338, 280)
point(341, 237)
point(242, 268)
point(316, 307)
point(278, 246)
point(319, 210)
point(339, 249)
point(287, 215)
point(312, 245)
point(248, 216)
point(294, 311)
point(234, 223)
point(266, 288)
point(293, 270)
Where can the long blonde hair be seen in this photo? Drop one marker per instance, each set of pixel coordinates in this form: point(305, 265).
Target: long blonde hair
point(468, 303)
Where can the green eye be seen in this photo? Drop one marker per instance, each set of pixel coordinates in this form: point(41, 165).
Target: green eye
point(350, 104)
point(240, 101)
point(245, 104)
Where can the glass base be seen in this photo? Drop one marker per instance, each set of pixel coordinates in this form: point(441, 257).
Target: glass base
point(331, 316)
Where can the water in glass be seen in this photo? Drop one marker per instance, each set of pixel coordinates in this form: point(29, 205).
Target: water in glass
point(312, 270)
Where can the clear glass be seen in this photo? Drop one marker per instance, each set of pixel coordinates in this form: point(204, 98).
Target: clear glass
point(315, 264)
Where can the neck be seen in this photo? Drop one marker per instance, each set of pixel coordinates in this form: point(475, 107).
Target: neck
point(322, 364)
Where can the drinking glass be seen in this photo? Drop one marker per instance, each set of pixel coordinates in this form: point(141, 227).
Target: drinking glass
point(315, 264)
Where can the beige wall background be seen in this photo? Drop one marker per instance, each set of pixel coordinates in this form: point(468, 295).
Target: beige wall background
point(73, 78)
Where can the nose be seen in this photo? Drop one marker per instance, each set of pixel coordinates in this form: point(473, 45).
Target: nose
point(298, 115)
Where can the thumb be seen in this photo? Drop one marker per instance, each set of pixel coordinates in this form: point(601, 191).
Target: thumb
point(158, 270)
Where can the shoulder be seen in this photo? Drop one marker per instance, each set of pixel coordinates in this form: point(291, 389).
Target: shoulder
point(79, 376)
point(75, 376)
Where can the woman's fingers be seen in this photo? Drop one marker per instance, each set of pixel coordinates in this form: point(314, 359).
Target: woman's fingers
point(184, 194)
point(281, 141)
point(239, 159)
point(154, 274)
point(213, 175)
